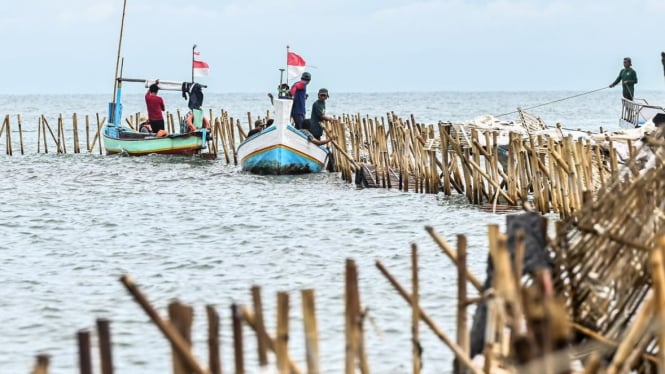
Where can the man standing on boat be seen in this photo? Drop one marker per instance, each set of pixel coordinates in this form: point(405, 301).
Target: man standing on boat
point(319, 113)
point(299, 94)
point(155, 106)
point(628, 78)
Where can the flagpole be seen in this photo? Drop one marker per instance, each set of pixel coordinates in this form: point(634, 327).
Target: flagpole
point(193, 50)
point(287, 64)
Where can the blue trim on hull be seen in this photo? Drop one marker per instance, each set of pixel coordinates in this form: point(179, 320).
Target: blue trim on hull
point(280, 161)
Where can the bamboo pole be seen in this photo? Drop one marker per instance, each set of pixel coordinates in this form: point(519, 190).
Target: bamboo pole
point(658, 276)
point(62, 144)
point(351, 314)
point(87, 133)
point(167, 329)
point(341, 150)
point(238, 346)
point(311, 331)
point(85, 358)
point(282, 338)
point(41, 365)
point(261, 336)
point(450, 252)
point(75, 134)
point(459, 353)
point(181, 316)
point(415, 309)
point(462, 330)
point(632, 336)
point(105, 351)
point(20, 131)
point(444, 158)
point(39, 133)
point(214, 359)
point(8, 136)
point(251, 321)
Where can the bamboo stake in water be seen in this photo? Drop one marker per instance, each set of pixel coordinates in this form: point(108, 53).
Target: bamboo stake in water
point(459, 353)
point(261, 338)
point(41, 366)
point(311, 331)
point(8, 137)
point(39, 134)
point(105, 351)
point(249, 318)
point(214, 360)
point(282, 337)
point(462, 330)
point(415, 311)
point(450, 252)
point(85, 358)
point(20, 131)
point(238, 346)
point(166, 328)
point(181, 316)
point(75, 133)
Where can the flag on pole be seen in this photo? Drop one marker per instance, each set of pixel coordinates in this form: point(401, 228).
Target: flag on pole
point(200, 68)
point(295, 66)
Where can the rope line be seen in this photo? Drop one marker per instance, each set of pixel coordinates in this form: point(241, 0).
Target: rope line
point(552, 102)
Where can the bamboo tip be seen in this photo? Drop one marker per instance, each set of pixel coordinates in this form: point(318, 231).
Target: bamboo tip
point(126, 280)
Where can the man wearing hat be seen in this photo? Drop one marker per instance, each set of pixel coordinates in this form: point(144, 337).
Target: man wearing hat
point(299, 94)
point(258, 126)
point(319, 114)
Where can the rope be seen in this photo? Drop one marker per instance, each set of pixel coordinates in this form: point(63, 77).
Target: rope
point(552, 102)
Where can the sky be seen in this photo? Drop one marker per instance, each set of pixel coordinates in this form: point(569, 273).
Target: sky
point(71, 47)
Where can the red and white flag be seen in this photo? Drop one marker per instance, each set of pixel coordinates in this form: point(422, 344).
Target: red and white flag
point(199, 67)
point(295, 66)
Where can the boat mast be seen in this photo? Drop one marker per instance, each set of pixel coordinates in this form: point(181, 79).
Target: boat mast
point(117, 61)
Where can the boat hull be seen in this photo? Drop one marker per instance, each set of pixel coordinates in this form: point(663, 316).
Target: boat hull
point(135, 144)
point(281, 150)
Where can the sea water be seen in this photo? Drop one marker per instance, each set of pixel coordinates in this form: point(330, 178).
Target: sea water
point(203, 232)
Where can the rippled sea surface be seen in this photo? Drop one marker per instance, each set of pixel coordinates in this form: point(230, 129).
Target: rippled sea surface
point(203, 232)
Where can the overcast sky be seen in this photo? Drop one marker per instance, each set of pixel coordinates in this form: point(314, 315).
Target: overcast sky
point(349, 45)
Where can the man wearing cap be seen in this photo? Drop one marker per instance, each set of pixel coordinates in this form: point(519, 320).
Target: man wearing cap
point(299, 94)
point(319, 113)
point(258, 127)
point(628, 78)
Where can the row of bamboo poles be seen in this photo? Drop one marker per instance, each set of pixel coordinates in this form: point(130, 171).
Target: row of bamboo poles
point(177, 331)
point(550, 174)
point(528, 327)
point(177, 328)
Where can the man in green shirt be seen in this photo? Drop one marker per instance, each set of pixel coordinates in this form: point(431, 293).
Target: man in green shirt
point(319, 113)
point(628, 78)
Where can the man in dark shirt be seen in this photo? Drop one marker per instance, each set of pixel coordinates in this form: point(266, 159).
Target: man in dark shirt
point(319, 113)
point(299, 94)
point(258, 127)
point(155, 106)
point(628, 78)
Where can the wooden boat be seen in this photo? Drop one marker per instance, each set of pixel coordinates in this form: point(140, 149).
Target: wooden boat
point(281, 148)
point(119, 138)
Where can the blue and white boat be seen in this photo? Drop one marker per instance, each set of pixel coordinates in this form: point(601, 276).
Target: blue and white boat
point(281, 148)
